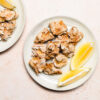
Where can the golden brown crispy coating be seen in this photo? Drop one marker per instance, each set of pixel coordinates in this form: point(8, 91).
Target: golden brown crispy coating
point(63, 38)
point(58, 27)
point(44, 36)
point(8, 14)
point(39, 50)
point(37, 64)
point(60, 60)
point(50, 69)
point(5, 34)
point(68, 49)
point(52, 49)
point(34, 65)
point(8, 25)
point(6, 29)
point(75, 35)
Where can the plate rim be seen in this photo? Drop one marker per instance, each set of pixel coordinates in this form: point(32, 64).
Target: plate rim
point(30, 74)
point(21, 30)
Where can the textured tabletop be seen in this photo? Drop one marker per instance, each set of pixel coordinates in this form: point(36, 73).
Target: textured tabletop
point(16, 84)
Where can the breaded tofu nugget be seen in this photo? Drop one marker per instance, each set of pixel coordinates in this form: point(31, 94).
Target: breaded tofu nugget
point(37, 64)
point(68, 49)
point(39, 50)
point(52, 49)
point(50, 69)
point(58, 27)
point(60, 60)
point(44, 36)
point(75, 35)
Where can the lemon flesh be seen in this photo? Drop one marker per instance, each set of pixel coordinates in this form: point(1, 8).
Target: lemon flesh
point(72, 76)
point(6, 4)
point(82, 55)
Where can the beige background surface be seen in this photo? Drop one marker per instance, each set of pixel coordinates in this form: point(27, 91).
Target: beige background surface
point(16, 84)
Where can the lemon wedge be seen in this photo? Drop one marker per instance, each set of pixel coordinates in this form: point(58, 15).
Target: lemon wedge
point(6, 4)
point(72, 76)
point(82, 55)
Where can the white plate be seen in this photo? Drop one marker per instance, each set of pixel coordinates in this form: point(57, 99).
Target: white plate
point(19, 27)
point(50, 81)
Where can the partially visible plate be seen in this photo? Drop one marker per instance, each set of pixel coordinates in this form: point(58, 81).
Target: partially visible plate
point(50, 81)
point(19, 27)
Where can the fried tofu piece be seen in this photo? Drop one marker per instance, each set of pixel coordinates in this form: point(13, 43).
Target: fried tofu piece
point(6, 29)
point(5, 34)
point(75, 35)
point(8, 25)
point(37, 64)
point(50, 69)
point(60, 61)
point(58, 27)
point(44, 36)
point(63, 38)
point(68, 49)
point(52, 49)
point(39, 50)
point(8, 14)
